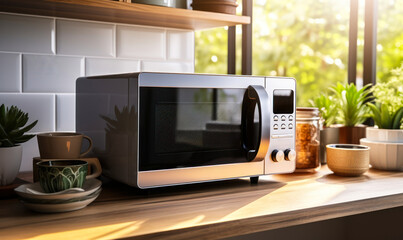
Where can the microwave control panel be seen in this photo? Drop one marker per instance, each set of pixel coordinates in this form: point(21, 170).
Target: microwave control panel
point(281, 155)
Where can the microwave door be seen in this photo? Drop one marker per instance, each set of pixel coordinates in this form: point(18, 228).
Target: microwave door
point(191, 127)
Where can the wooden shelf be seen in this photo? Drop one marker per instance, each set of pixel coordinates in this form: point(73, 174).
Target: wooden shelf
point(122, 12)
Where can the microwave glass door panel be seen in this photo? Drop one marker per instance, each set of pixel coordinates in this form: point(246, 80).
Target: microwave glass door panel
point(189, 127)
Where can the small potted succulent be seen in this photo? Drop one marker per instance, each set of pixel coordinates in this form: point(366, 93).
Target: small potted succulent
point(328, 111)
point(386, 139)
point(352, 111)
point(12, 134)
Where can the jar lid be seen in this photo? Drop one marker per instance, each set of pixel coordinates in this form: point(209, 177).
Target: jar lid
point(307, 113)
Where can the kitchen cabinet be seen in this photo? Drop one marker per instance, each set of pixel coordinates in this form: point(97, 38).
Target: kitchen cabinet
point(122, 12)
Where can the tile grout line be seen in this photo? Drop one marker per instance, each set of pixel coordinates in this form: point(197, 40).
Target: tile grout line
point(54, 35)
point(166, 43)
point(83, 66)
point(21, 74)
point(114, 37)
point(55, 108)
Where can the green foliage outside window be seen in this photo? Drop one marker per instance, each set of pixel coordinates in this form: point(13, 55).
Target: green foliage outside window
point(307, 40)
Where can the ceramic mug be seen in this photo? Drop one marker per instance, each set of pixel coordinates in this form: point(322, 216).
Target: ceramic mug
point(56, 145)
point(59, 175)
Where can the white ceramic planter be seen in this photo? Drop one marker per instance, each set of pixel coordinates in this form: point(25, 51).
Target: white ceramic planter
point(10, 162)
point(385, 135)
point(386, 148)
point(385, 156)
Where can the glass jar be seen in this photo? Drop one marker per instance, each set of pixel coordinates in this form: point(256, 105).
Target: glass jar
point(307, 139)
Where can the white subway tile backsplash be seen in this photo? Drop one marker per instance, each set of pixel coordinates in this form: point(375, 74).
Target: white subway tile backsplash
point(85, 38)
point(26, 33)
point(41, 58)
point(29, 151)
point(140, 42)
point(98, 66)
point(180, 45)
point(175, 67)
point(66, 112)
point(56, 74)
point(39, 107)
point(10, 72)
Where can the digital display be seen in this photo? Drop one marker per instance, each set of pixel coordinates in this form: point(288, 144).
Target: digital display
point(283, 101)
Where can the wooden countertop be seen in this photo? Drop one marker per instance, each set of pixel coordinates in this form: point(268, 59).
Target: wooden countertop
point(209, 210)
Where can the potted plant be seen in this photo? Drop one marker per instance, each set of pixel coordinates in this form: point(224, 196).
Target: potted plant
point(386, 139)
point(328, 111)
point(12, 129)
point(352, 111)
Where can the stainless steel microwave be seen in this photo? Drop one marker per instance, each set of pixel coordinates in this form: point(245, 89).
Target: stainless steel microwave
point(160, 129)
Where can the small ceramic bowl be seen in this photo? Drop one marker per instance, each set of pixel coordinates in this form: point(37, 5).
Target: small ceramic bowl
point(349, 160)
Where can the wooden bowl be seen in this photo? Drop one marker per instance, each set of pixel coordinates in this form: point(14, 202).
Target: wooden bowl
point(349, 160)
point(221, 6)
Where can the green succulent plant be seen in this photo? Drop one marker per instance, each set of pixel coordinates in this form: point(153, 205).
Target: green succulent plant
point(387, 111)
point(122, 122)
point(327, 107)
point(384, 118)
point(12, 122)
point(352, 103)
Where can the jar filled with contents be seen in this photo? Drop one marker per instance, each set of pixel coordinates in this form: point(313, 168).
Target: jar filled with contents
point(307, 139)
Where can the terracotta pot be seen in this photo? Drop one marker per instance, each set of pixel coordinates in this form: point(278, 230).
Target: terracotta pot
point(220, 6)
point(352, 135)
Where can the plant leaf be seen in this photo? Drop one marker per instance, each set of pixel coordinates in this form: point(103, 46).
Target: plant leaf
point(386, 121)
point(376, 115)
point(24, 138)
point(397, 119)
point(2, 114)
point(12, 125)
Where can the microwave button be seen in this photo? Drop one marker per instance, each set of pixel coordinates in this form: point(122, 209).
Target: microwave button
point(290, 154)
point(290, 118)
point(277, 155)
point(275, 126)
point(282, 118)
point(283, 126)
point(290, 126)
point(275, 118)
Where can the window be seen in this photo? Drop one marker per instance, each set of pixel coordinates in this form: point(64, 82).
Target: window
point(307, 40)
point(390, 38)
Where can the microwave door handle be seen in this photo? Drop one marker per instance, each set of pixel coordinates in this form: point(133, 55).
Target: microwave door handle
point(255, 95)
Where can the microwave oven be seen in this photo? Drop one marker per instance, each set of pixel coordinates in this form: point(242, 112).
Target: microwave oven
point(160, 129)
